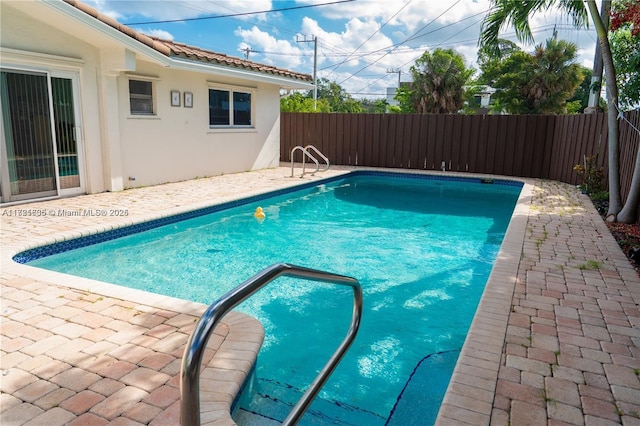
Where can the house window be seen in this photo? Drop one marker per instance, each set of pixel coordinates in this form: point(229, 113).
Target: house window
point(141, 97)
point(229, 108)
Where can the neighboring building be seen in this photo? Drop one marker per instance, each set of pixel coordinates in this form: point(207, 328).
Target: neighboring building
point(90, 105)
point(391, 96)
point(483, 97)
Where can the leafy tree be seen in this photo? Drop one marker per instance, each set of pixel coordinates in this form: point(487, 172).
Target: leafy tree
point(471, 103)
point(537, 83)
point(488, 54)
point(438, 82)
point(517, 14)
point(626, 13)
point(298, 102)
point(331, 97)
point(378, 106)
point(625, 48)
point(337, 98)
point(580, 100)
point(404, 96)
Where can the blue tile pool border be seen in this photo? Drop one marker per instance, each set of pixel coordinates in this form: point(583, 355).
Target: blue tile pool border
point(63, 246)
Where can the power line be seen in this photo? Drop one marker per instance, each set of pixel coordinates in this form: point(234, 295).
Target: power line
point(375, 32)
point(544, 28)
point(362, 55)
point(238, 14)
point(380, 58)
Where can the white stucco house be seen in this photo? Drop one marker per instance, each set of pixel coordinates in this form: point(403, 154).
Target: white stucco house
point(90, 105)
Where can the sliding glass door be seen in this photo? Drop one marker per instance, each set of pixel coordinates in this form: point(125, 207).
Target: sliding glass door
point(26, 118)
point(40, 150)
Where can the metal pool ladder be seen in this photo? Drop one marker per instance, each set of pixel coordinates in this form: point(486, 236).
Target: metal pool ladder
point(190, 370)
point(305, 154)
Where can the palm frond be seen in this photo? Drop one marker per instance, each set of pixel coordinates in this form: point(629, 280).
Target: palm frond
point(517, 14)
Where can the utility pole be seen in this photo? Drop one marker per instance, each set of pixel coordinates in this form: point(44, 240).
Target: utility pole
point(314, 40)
point(393, 71)
point(246, 51)
point(596, 78)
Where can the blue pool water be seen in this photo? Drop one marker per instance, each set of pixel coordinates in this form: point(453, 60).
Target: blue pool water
point(422, 248)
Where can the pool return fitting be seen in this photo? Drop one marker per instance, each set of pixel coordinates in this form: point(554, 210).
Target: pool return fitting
point(305, 154)
point(192, 359)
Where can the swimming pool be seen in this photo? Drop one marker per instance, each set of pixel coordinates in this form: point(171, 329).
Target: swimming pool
point(399, 280)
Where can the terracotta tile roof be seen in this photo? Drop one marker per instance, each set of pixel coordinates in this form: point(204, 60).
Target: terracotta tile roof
point(195, 53)
point(174, 49)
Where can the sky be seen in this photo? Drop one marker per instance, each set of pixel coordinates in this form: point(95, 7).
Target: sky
point(363, 45)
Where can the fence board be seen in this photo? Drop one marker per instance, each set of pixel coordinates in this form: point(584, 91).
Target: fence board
point(423, 142)
point(401, 142)
point(465, 135)
point(414, 149)
point(525, 151)
point(439, 141)
point(629, 141)
point(474, 142)
point(431, 138)
point(454, 145)
point(483, 142)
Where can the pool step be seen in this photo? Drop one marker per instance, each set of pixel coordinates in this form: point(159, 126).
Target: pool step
point(274, 401)
point(425, 388)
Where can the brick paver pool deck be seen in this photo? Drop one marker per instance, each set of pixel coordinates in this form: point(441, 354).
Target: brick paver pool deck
point(555, 340)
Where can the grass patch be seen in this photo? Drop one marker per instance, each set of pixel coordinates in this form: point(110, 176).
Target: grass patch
point(591, 265)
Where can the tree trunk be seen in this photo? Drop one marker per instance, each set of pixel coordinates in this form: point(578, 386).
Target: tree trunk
point(615, 201)
point(629, 213)
point(596, 79)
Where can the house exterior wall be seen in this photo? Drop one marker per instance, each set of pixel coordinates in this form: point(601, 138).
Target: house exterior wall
point(123, 150)
point(177, 143)
point(36, 46)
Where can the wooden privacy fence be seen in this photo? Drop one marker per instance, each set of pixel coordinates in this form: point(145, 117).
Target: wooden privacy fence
point(542, 146)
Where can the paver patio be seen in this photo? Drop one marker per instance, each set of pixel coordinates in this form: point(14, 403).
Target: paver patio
point(556, 339)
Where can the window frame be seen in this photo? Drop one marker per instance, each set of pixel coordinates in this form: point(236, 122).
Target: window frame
point(143, 96)
point(231, 119)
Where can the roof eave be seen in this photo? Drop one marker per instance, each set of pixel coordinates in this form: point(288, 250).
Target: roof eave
point(108, 31)
point(226, 70)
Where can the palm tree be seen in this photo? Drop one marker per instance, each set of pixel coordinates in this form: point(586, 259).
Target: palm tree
point(438, 81)
point(556, 75)
point(517, 13)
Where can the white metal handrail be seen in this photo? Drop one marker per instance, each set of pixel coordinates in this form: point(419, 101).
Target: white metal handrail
point(192, 359)
point(326, 160)
point(305, 154)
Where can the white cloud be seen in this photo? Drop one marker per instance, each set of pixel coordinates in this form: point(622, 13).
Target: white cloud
point(162, 34)
point(393, 34)
point(275, 52)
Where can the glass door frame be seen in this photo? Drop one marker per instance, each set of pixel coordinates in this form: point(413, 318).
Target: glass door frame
point(77, 131)
point(6, 196)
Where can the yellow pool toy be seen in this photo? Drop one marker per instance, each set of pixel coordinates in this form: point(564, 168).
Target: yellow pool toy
point(259, 214)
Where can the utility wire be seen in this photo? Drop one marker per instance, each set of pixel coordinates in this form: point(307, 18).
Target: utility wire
point(371, 36)
point(387, 53)
point(540, 29)
point(362, 55)
point(238, 14)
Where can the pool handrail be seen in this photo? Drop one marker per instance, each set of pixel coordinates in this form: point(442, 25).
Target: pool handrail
point(326, 160)
point(194, 351)
point(305, 154)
